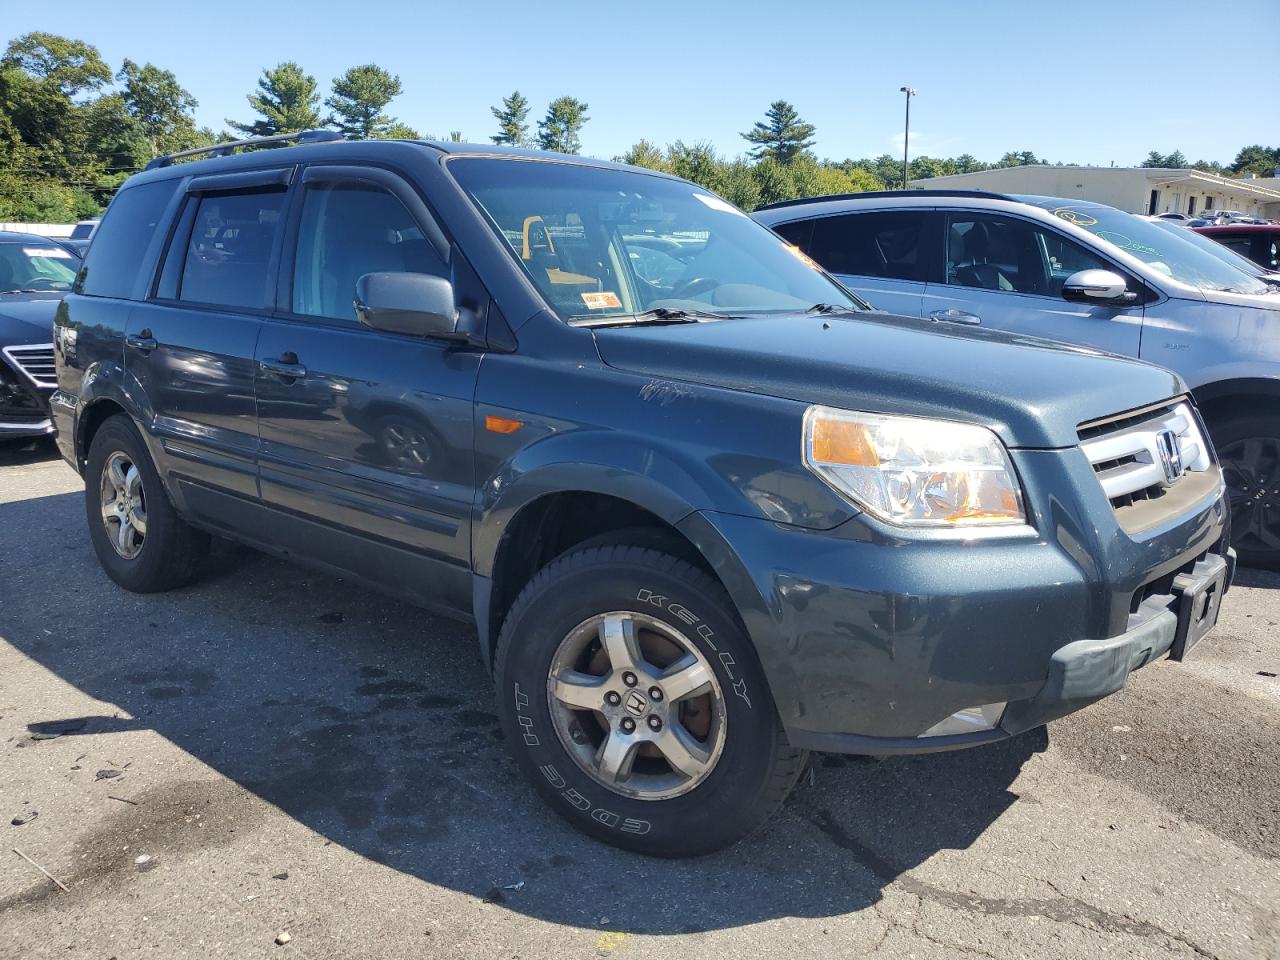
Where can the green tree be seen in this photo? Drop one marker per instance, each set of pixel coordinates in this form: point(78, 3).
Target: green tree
point(1024, 158)
point(565, 119)
point(1258, 160)
point(400, 131)
point(1174, 160)
point(160, 105)
point(287, 100)
point(642, 153)
point(513, 130)
point(359, 100)
point(782, 135)
point(72, 67)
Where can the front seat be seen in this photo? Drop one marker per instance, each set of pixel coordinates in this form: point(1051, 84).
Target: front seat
point(974, 270)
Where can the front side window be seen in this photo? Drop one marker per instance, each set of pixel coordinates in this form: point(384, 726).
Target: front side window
point(601, 243)
point(348, 229)
point(227, 258)
point(121, 241)
point(35, 267)
point(1168, 252)
point(1011, 255)
point(892, 245)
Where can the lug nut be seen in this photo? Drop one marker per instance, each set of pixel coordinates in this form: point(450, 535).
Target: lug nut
point(655, 693)
point(629, 679)
point(612, 698)
point(655, 723)
point(628, 725)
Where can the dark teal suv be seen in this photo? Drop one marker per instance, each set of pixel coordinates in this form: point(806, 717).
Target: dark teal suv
point(705, 510)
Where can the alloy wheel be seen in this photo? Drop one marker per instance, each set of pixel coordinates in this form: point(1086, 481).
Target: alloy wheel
point(124, 506)
point(637, 705)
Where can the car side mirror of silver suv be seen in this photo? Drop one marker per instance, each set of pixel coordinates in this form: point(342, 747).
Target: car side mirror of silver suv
point(1101, 285)
point(417, 304)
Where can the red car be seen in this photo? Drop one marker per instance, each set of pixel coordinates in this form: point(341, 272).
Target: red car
point(1260, 242)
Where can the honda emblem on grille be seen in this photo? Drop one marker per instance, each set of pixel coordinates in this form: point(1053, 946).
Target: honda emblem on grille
point(1170, 455)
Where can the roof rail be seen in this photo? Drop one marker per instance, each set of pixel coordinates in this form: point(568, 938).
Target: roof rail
point(223, 149)
point(872, 194)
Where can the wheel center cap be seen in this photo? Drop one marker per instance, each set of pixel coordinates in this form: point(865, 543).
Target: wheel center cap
point(636, 703)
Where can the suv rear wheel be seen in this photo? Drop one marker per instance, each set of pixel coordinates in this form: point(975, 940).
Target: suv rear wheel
point(140, 540)
point(1249, 449)
point(634, 703)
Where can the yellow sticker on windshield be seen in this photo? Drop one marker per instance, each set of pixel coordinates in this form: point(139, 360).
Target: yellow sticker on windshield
point(608, 300)
point(1079, 218)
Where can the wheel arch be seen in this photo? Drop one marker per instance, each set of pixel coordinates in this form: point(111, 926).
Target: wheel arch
point(1222, 398)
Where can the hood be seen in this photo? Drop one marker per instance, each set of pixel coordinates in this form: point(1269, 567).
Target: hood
point(27, 318)
point(1032, 392)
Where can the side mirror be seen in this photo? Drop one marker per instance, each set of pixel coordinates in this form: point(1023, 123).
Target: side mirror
point(1103, 286)
point(417, 304)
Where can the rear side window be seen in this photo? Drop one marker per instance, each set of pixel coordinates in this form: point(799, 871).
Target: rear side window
point(120, 242)
point(893, 245)
point(349, 229)
point(227, 258)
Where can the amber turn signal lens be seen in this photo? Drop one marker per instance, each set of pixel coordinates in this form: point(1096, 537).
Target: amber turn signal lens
point(502, 424)
point(839, 441)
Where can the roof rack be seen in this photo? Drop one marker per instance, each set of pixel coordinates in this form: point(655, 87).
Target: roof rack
point(224, 149)
point(872, 194)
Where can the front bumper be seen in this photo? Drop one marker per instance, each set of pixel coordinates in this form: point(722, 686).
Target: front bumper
point(21, 429)
point(869, 638)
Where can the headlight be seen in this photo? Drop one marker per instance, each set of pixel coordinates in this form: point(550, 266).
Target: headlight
point(912, 471)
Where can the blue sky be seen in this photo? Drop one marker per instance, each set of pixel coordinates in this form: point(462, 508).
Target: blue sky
point(1083, 82)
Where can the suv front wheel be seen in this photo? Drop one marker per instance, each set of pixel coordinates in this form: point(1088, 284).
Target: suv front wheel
point(1249, 449)
point(635, 704)
point(140, 540)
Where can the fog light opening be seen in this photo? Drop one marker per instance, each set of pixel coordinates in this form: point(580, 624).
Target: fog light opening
point(969, 720)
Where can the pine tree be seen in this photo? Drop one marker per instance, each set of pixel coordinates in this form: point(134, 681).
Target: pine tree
point(287, 100)
point(564, 121)
point(511, 117)
point(359, 98)
point(782, 135)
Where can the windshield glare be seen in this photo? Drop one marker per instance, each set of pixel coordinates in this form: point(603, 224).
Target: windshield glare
point(36, 266)
point(1167, 251)
point(601, 243)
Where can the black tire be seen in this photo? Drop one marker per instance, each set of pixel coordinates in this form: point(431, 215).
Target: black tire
point(756, 767)
point(1248, 446)
point(171, 551)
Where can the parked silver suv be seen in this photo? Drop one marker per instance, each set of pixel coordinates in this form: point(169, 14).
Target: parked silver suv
point(1084, 273)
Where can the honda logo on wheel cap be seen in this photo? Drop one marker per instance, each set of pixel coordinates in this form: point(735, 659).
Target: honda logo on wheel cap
point(636, 703)
point(1170, 455)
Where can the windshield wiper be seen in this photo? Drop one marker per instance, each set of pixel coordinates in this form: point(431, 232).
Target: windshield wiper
point(829, 308)
point(656, 315)
point(32, 290)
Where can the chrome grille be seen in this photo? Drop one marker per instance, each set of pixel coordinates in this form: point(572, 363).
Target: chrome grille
point(36, 361)
point(1141, 456)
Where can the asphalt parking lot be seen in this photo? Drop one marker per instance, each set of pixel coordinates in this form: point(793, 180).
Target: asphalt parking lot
point(273, 750)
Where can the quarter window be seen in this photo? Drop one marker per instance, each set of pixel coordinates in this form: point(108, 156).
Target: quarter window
point(891, 245)
point(228, 255)
point(120, 244)
point(348, 229)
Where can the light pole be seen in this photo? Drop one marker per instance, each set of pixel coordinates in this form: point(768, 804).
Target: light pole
point(906, 133)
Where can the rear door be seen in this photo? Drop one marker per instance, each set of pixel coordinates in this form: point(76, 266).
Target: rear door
point(366, 436)
point(1006, 273)
point(887, 257)
point(191, 345)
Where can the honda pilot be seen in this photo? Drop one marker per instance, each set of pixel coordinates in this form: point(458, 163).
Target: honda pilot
point(706, 511)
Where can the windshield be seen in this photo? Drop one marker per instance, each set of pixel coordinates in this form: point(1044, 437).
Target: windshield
point(1165, 250)
point(36, 266)
point(601, 244)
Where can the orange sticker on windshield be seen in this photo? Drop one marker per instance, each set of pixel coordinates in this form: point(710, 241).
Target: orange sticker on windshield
point(602, 301)
point(802, 256)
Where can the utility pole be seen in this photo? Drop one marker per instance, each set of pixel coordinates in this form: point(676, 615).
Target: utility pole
point(906, 134)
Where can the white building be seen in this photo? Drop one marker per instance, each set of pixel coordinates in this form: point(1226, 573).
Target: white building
point(1149, 190)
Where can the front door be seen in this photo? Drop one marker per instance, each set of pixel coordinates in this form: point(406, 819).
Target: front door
point(191, 346)
point(366, 436)
point(1006, 273)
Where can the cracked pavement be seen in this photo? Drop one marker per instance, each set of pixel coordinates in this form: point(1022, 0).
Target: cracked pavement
point(276, 750)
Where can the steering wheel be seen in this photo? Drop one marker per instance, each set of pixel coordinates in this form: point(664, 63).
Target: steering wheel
point(691, 288)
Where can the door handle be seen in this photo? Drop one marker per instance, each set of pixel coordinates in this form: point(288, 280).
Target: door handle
point(287, 367)
point(143, 342)
point(955, 316)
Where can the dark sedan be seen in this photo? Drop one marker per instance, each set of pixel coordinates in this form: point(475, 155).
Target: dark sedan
point(35, 273)
point(1259, 242)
